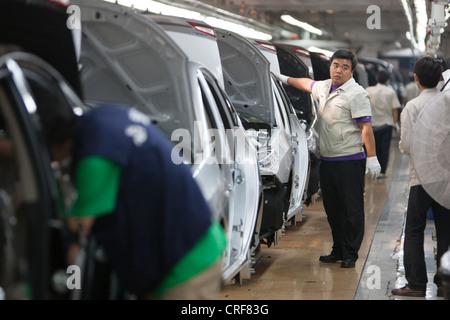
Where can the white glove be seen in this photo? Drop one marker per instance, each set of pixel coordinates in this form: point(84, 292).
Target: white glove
point(373, 166)
point(396, 127)
point(281, 77)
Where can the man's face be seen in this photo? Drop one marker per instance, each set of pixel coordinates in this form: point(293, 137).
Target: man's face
point(340, 71)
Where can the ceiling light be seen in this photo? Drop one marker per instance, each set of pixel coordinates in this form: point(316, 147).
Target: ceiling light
point(288, 19)
point(421, 25)
point(164, 9)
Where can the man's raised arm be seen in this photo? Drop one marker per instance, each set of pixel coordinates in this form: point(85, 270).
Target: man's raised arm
point(303, 84)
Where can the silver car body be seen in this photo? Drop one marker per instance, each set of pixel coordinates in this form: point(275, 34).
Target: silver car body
point(127, 58)
point(197, 40)
point(297, 131)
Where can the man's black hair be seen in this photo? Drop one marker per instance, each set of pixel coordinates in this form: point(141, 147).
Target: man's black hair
point(383, 76)
point(429, 71)
point(345, 54)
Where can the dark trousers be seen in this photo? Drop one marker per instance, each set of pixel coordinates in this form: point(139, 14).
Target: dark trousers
point(414, 256)
point(383, 135)
point(342, 185)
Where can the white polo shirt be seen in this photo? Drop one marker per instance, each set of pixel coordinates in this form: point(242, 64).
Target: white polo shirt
point(408, 119)
point(384, 100)
point(339, 135)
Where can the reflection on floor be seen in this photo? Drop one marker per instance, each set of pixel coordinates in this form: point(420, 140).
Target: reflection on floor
point(291, 270)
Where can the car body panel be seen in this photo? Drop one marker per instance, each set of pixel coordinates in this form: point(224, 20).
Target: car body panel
point(299, 142)
point(129, 60)
point(132, 52)
point(33, 258)
point(196, 38)
point(295, 62)
point(295, 129)
point(292, 63)
point(247, 69)
point(35, 220)
point(245, 73)
point(246, 191)
point(248, 84)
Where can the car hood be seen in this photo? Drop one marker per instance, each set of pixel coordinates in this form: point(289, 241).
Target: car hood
point(246, 74)
point(137, 65)
point(196, 38)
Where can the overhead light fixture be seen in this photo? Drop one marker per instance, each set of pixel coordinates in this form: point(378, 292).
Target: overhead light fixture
point(164, 9)
point(417, 38)
point(421, 25)
point(289, 19)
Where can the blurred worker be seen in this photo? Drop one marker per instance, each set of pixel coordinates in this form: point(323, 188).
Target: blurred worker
point(411, 90)
point(147, 213)
point(385, 107)
point(344, 126)
point(427, 73)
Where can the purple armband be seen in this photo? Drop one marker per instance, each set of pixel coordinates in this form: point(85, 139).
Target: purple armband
point(363, 119)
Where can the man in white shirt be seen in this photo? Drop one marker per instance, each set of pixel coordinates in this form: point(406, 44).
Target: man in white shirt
point(385, 107)
point(427, 73)
point(344, 127)
point(411, 91)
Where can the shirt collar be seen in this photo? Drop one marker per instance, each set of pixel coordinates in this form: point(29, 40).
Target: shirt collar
point(344, 87)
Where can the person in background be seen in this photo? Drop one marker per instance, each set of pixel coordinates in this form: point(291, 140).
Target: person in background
point(344, 126)
point(411, 90)
point(427, 74)
point(147, 213)
point(385, 107)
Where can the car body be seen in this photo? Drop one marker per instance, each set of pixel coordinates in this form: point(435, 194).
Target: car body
point(253, 92)
point(296, 129)
point(198, 41)
point(34, 237)
point(127, 58)
point(140, 67)
point(296, 61)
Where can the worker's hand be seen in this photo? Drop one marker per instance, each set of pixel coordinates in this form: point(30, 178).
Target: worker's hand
point(72, 253)
point(396, 127)
point(373, 166)
point(281, 77)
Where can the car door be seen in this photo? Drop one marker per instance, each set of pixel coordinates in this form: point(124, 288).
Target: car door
point(294, 129)
point(292, 63)
point(300, 148)
point(240, 158)
point(34, 237)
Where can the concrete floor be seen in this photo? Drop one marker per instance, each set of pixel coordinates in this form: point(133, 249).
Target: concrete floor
point(291, 270)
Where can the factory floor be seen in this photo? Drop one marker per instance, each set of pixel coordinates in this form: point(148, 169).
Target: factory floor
point(291, 270)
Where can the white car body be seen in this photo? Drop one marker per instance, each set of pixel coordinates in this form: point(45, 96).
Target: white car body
point(127, 58)
point(198, 41)
point(297, 131)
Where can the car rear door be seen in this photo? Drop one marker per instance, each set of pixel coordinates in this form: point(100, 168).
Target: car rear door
point(245, 200)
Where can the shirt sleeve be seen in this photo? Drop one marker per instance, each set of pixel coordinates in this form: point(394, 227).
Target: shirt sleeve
point(315, 88)
point(407, 126)
point(395, 103)
point(363, 119)
point(97, 183)
point(361, 106)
